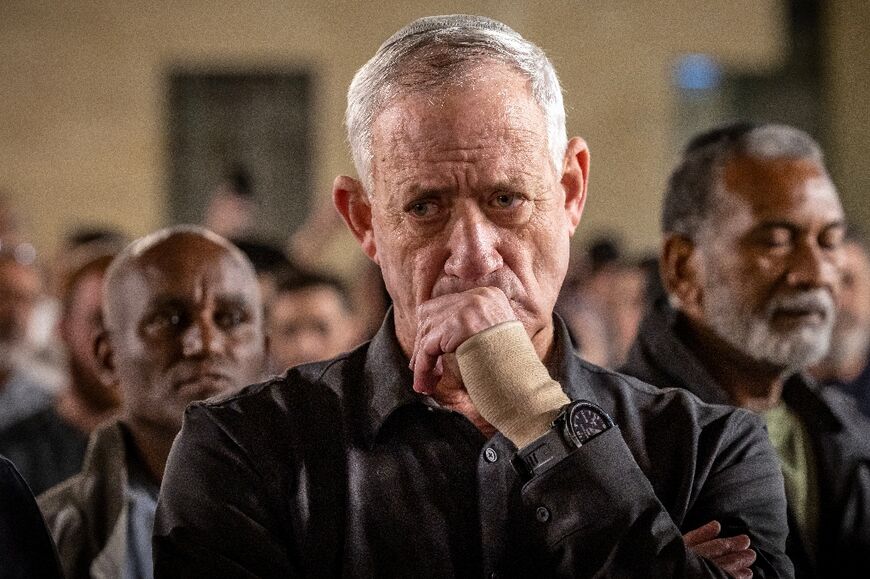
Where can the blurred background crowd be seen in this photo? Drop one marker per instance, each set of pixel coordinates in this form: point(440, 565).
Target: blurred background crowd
point(117, 118)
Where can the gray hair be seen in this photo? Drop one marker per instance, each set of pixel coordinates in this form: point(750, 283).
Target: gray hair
point(692, 188)
point(431, 53)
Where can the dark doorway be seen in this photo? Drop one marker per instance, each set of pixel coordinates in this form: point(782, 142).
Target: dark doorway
point(257, 123)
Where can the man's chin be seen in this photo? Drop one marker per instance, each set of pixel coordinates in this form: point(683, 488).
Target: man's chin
point(202, 388)
point(794, 352)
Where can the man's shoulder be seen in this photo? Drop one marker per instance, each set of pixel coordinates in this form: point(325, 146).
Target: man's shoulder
point(283, 402)
point(49, 425)
point(651, 416)
point(629, 395)
point(854, 426)
point(62, 502)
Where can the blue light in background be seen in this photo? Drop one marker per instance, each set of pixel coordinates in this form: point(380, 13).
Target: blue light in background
point(697, 72)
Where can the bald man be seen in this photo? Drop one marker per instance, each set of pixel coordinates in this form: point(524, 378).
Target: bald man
point(183, 322)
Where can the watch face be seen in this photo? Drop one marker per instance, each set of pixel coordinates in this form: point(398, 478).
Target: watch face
point(587, 422)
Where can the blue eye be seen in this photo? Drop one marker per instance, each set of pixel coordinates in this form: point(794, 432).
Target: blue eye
point(423, 209)
point(507, 200)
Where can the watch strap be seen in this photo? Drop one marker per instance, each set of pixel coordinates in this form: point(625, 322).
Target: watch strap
point(543, 453)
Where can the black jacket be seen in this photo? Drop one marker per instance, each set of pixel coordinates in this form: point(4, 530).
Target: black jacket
point(340, 469)
point(26, 550)
point(840, 439)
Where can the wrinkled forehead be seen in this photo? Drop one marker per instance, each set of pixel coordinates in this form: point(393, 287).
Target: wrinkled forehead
point(774, 188)
point(187, 272)
point(491, 117)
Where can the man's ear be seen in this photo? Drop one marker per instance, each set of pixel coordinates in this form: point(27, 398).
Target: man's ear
point(105, 359)
point(352, 203)
point(679, 271)
point(575, 177)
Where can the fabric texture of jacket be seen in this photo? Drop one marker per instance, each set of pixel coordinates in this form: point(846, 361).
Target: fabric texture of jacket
point(87, 514)
point(26, 550)
point(840, 441)
point(340, 469)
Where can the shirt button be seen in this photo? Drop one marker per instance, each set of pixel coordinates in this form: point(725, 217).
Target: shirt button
point(542, 514)
point(490, 454)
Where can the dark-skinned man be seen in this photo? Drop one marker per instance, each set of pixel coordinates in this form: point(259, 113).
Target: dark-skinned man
point(429, 451)
point(753, 231)
point(183, 322)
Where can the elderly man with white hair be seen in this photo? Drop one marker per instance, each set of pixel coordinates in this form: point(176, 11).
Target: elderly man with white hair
point(466, 439)
point(752, 257)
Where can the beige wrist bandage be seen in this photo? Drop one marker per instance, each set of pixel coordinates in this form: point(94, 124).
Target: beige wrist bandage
point(508, 383)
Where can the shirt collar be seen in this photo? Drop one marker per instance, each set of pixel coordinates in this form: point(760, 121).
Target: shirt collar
point(802, 395)
point(388, 380)
point(658, 332)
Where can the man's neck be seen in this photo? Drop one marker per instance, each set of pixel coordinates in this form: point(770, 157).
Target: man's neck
point(748, 383)
point(75, 409)
point(153, 444)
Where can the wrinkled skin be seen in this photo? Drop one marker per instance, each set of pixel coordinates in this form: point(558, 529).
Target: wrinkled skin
point(468, 219)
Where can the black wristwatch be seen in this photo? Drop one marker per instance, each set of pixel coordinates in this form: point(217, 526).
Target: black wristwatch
point(576, 424)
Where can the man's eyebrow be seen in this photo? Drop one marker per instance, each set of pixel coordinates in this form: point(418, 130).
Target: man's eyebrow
point(791, 226)
point(167, 302)
point(238, 299)
point(509, 184)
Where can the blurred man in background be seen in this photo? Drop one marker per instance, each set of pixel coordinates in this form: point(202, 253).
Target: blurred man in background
point(847, 363)
point(48, 447)
point(753, 242)
point(21, 394)
point(182, 322)
point(309, 318)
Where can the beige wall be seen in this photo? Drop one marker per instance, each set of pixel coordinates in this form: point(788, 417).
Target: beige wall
point(82, 119)
point(848, 83)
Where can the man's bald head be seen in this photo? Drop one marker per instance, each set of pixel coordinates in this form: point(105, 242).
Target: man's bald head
point(179, 244)
point(184, 321)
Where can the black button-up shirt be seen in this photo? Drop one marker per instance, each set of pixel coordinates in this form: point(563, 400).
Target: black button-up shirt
point(340, 469)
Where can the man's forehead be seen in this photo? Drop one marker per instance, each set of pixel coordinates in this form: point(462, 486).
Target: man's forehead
point(497, 124)
point(168, 270)
point(780, 185)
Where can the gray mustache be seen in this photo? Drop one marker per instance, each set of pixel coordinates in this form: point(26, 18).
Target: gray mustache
point(817, 300)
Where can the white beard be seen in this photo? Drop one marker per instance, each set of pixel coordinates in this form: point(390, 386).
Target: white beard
point(752, 334)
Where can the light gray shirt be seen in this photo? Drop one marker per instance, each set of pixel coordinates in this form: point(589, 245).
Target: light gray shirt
point(141, 505)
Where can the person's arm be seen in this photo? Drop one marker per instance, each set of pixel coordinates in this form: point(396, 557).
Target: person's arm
point(597, 511)
point(602, 514)
point(213, 516)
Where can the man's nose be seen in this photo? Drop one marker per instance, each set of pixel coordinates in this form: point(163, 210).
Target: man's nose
point(815, 266)
point(201, 338)
point(473, 245)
